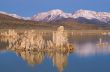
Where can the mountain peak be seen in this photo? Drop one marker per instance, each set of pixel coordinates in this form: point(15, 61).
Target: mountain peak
point(88, 14)
point(48, 16)
point(56, 11)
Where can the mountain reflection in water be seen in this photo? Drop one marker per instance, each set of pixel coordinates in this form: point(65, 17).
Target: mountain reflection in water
point(32, 45)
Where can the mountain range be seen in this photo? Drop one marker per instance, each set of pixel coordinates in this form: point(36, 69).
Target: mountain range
point(81, 16)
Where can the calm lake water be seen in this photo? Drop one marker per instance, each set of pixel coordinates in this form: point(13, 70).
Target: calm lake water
point(53, 51)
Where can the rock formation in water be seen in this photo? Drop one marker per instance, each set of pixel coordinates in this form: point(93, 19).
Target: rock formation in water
point(32, 40)
point(60, 37)
point(32, 46)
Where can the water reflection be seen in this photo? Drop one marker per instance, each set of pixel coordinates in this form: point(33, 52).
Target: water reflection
point(101, 44)
point(59, 59)
point(31, 57)
point(32, 45)
point(93, 47)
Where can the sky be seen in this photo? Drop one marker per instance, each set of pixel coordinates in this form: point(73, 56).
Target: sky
point(28, 8)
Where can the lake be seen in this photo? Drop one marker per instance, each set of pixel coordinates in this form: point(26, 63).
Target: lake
point(54, 51)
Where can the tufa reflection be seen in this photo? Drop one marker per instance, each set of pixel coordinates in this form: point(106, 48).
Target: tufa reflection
point(32, 46)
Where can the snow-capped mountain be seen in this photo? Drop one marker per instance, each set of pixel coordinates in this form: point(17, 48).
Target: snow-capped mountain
point(59, 14)
point(51, 15)
point(83, 16)
point(101, 16)
point(15, 15)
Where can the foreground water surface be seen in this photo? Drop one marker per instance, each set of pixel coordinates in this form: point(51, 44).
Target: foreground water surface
point(54, 51)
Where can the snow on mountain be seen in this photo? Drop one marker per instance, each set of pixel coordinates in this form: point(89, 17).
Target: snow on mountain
point(84, 13)
point(101, 16)
point(51, 15)
point(15, 15)
point(58, 14)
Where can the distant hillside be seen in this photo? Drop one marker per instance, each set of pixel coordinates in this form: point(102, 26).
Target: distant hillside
point(8, 22)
